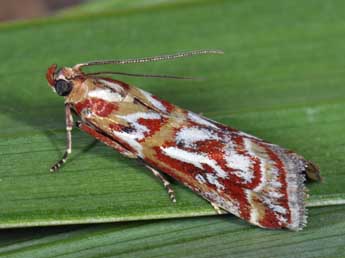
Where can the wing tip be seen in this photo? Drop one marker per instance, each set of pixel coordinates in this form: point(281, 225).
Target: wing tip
point(298, 171)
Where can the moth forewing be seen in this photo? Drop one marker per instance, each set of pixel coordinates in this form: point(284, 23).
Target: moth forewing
point(259, 182)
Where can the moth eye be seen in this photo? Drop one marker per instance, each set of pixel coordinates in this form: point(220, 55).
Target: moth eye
point(62, 87)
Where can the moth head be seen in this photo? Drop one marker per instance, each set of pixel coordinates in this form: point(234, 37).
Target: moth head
point(60, 80)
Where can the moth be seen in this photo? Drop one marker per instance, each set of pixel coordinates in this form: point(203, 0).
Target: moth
point(237, 173)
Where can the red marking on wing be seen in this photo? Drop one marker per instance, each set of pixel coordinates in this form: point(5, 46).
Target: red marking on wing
point(186, 168)
point(98, 106)
point(213, 148)
point(165, 103)
point(269, 220)
point(103, 108)
point(236, 193)
point(79, 106)
point(154, 125)
point(282, 179)
point(256, 168)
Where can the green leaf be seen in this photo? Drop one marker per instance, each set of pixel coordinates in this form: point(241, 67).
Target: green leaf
point(223, 236)
point(281, 79)
point(101, 6)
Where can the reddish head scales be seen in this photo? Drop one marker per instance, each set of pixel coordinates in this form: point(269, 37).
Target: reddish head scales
point(259, 182)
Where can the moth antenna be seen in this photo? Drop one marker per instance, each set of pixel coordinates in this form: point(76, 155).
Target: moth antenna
point(162, 76)
point(149, 59)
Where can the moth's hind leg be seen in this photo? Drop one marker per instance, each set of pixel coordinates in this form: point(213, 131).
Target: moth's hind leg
point(69, 125)
point(165, 182)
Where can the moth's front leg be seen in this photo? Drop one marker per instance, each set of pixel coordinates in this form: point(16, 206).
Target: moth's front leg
point(69, 126)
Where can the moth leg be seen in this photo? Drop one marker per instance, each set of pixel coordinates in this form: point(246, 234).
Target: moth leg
point(165, 182)
point(106, 140)
point(217, 208)
point(69, 126)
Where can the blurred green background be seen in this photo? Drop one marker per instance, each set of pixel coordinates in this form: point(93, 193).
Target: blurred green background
point(280, 79)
